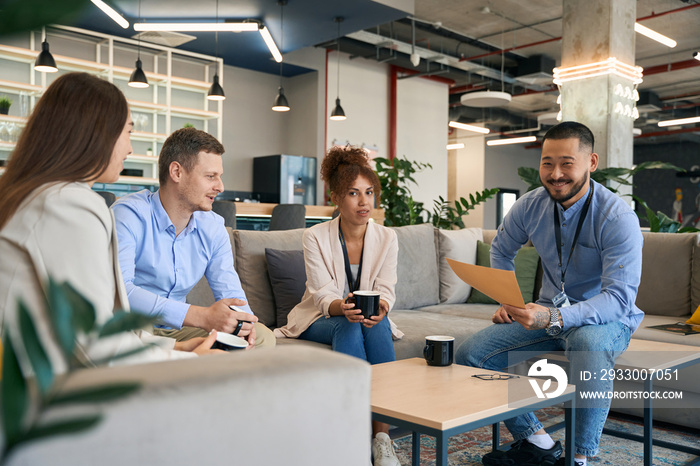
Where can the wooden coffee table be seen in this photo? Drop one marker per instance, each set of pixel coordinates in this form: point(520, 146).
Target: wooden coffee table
point(446, 401)
point(657, 356)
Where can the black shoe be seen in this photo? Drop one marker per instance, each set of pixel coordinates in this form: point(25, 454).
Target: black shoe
point(562, 461)
point(524, 453)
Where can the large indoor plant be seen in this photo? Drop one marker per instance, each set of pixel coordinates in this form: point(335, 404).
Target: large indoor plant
point(395, 177)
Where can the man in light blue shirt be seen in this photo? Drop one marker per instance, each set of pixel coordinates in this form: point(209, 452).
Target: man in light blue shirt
point(169, 239)
point(590, 245)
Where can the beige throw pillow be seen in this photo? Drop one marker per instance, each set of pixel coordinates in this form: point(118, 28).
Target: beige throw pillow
point(459, 245)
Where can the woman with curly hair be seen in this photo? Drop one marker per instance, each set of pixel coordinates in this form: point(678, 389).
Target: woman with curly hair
point(347, 254)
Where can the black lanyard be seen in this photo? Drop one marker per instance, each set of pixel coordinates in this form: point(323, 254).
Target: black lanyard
point(557, 232)
point(348, 270)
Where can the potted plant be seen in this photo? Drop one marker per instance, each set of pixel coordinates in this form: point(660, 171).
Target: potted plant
point(5, 104)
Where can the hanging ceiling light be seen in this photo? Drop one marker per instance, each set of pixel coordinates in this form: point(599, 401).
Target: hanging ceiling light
point(216, 92)
point(138, 78)
point(338, 114)
point(281, 104)
point(44, 61)
point(488, 98)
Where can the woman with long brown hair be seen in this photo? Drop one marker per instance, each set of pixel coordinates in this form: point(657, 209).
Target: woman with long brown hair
point(51, 222)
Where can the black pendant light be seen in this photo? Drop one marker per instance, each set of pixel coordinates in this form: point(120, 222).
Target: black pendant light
point(338, 114)
point(216, 92)
point(44, 61)
point(138, 77)
point(281, 104)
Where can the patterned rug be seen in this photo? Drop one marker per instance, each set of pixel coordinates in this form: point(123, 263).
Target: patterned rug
point(468, 448)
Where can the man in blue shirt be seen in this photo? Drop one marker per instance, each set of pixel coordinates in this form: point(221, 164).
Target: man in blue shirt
point(169, 239)
point(590, 246)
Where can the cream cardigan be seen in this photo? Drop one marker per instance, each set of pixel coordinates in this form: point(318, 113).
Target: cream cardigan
point(66, 231)
point(325, 273)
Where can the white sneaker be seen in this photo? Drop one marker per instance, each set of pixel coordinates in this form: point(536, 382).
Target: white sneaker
point(383, 451)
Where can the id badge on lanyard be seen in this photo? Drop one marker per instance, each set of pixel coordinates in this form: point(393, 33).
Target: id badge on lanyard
point(561, 300)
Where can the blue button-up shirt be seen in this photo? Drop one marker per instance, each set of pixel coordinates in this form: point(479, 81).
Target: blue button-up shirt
point(159, 268)
point(606, 266)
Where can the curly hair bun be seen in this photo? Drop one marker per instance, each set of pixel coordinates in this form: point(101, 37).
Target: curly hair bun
point(342, 165)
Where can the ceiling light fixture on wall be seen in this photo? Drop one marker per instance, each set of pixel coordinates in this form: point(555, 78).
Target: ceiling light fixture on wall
point(281, 104)
point(681, 121)
point(501, 142)
point(610, 66)
point(112, 13)
point(651, 34)
point(44, 61)
point(138, 77)
point(198, 27)
point(338, 114)
point(466, 127)
point(216, 92)
point(455, 146)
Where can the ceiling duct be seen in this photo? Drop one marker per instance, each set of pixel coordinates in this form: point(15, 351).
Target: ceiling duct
point(494, 117)
point(648, 102)
point(169, 39)
point(536, 70)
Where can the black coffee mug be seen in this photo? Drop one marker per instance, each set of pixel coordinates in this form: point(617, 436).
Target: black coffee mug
point(439, 350)
point(365, 301)
point(228, 342)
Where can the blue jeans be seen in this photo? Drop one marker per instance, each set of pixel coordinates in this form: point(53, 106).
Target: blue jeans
point(373, 344)
point(591, 347)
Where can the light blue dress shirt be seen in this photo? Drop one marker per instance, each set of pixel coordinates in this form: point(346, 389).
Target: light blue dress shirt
point(604, 272)
point(159, 268)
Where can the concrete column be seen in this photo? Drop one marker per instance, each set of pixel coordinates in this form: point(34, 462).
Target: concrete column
point(593, 31)
point(465, 172)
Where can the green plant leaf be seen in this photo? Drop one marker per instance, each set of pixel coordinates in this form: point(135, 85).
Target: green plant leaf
point(657, 166)
point(531, 177)
point(14, 397)
point(123, 321)
point(35, 351)
point(96, 394)
point(70, 426)
point(61, 313)
point(83, 310)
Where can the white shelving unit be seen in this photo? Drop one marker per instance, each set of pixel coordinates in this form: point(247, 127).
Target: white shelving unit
point(155, 116)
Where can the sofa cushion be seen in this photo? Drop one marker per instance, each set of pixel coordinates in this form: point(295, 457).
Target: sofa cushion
point(288, 279)
point(251, 265)
point(417, 271)
point(526, 261)
point(459, 245)
point(667, 262)
point(695, 281)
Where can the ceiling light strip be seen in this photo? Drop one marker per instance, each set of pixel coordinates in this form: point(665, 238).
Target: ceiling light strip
point(197, 27)
point(502, 142)
point(112, 13)
point(457, 145)
point(476, 129)
point(682, 121)
point(651, 34)
point(265, 33)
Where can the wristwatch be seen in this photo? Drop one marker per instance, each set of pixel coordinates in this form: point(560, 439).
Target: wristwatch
point(554, 327)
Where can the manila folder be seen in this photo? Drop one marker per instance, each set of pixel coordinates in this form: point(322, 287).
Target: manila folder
point(499, 285)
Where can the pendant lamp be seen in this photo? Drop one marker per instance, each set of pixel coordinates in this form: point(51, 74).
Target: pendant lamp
point(338, 114)
point(281, 104)
point(138, 78)
point(44, 61)
point(216, 92)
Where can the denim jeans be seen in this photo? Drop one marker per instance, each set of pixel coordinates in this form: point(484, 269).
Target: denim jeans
point(591, 347)
point(373, 344)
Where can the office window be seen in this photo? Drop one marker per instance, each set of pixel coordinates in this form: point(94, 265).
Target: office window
point(504, 201)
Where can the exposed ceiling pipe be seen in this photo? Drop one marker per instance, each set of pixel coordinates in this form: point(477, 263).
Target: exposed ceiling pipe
point(653, 15)
point(679, 65)
point(668, 133)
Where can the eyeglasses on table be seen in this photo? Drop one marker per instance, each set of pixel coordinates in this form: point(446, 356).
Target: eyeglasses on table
point(496, 376)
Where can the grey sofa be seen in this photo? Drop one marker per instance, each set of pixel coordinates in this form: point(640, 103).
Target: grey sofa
point(261, 407)
point(431, 299)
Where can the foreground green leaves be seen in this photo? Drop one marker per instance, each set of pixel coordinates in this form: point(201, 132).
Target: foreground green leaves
point(72, 319)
